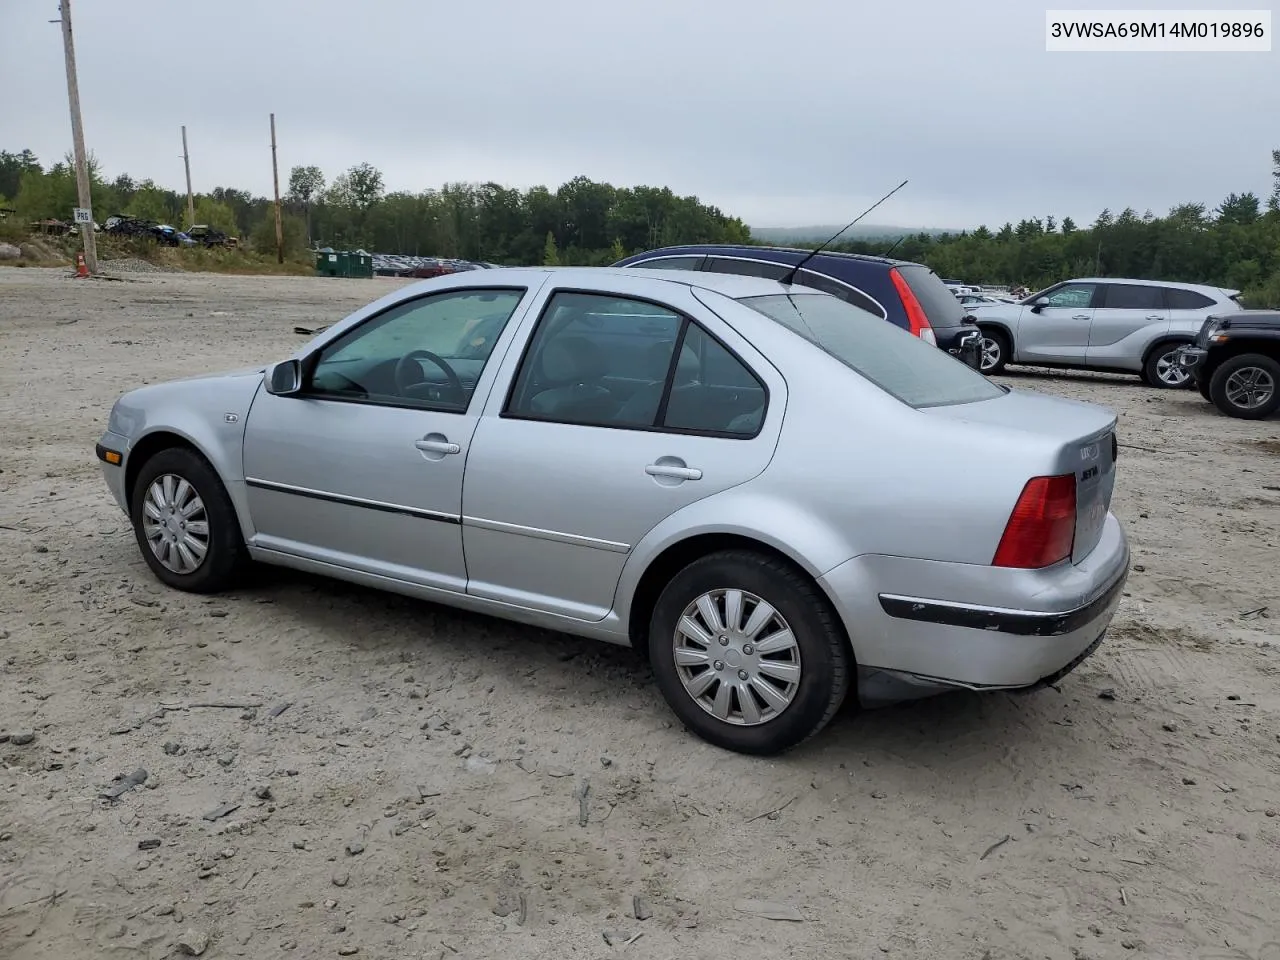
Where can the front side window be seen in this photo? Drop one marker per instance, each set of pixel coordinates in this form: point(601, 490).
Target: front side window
point(1073, 295)
point(606, 361)
point(428, 352)
point(903, 365)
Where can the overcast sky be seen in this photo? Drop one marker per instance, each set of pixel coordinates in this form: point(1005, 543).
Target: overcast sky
point(783, 113)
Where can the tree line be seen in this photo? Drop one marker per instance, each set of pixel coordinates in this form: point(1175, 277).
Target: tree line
point(581, 222)
point(1235, 245)
point(585, 222)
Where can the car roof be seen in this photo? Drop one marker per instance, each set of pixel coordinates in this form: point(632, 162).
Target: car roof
point(1197, 287)
point(729, 284)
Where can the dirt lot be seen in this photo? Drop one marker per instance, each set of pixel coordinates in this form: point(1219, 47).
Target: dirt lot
point(403, 780)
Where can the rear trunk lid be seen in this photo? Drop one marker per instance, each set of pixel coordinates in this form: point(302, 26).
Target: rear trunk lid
point(1078, 439)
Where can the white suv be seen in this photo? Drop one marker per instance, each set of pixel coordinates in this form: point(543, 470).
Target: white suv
point(1102, 324)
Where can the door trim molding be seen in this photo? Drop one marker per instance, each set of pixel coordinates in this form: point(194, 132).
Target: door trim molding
point(572, 539)
point(379, 505)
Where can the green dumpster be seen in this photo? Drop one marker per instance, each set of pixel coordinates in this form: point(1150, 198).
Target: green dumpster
point(330, 263)
point(343, 263)
point(360, 264)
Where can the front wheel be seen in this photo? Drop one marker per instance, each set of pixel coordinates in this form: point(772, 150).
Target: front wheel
point(748, 653)
point(1163, 370)
point(1247, 386)
point(185, 523)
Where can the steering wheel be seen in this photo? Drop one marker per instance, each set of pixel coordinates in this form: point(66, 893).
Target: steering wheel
point(403, 383)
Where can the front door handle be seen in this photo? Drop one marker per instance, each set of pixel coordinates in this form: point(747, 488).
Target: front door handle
point(673, 471)
point(1080, 316)
point(1157, 317)
point(433, 445)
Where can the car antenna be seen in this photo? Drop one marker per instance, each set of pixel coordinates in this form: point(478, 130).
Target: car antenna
point(790, 277)
point(895, 245)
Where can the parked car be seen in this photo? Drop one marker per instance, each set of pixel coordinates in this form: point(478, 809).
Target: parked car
point(908, 295)
point(1112, 325)
point(208, 236)
point(1235, 362)
point(755, 483)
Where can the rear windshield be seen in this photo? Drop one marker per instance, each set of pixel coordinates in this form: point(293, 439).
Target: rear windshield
point(899, 363)
point(940, 304)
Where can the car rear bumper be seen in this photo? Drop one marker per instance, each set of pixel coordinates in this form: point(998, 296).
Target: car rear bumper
point(941, 625)
point(1191, 359)
point(963, 343)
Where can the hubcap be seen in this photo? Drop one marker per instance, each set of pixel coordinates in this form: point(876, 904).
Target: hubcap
point(737, 657)
point(990, 353)
point(1250, 388)
point(175, 524)
point(1169, 371)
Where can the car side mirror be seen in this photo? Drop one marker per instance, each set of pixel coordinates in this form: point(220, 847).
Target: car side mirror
point(1040, 304)
point(285, 378)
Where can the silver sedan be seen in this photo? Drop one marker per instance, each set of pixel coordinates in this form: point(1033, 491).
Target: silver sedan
point(774, 494)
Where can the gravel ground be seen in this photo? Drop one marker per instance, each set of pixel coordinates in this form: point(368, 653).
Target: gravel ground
point(311, 767)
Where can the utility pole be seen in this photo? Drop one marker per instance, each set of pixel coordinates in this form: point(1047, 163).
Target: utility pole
point(191, 200)
point(275, 179)
point(77, 137)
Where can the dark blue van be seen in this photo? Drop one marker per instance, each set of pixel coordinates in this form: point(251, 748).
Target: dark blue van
point(904, 293)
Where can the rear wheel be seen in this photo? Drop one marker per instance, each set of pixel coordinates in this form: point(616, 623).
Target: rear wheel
point(995, 351)
point(185, 523)
point(748, 652)
point(1247, 386)
point(1163, 370)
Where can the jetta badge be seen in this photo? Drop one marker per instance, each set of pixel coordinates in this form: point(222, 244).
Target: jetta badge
point(1090, 452)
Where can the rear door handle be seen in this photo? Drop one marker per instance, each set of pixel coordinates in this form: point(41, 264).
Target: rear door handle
point(1080, 316)
point(673, 471)
point(436, 446)
point(1157, 317)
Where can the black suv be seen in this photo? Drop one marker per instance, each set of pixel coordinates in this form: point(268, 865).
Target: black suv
point(1235, 361)
point(909, 295)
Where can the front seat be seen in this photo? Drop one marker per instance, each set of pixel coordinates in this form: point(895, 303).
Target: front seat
point(575, 365)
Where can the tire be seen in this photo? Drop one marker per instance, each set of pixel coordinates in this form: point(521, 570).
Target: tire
point(1158, 368)
point(224, 558)
point(995, 352)
point(1233, 374)
point(820, 650)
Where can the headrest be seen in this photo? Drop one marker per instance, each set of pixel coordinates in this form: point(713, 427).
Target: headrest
point(573, 360)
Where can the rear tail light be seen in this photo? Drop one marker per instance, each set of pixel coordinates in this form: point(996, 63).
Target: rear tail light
point(1042, 528)
point(918, 322)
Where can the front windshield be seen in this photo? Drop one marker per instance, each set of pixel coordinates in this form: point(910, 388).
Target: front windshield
point(910, 369)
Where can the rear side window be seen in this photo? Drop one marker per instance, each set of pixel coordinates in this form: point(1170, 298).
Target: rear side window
point(1186, 299)
point(842, 290)
point(940, 304)
point(1131, 296)
point(747, 268)
point(903, 365)
point(670, 263)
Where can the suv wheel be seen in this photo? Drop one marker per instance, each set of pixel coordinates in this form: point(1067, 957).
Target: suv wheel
point(995, 352)
point(1247, 386)
point(1163, 370)
point(748, 653)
